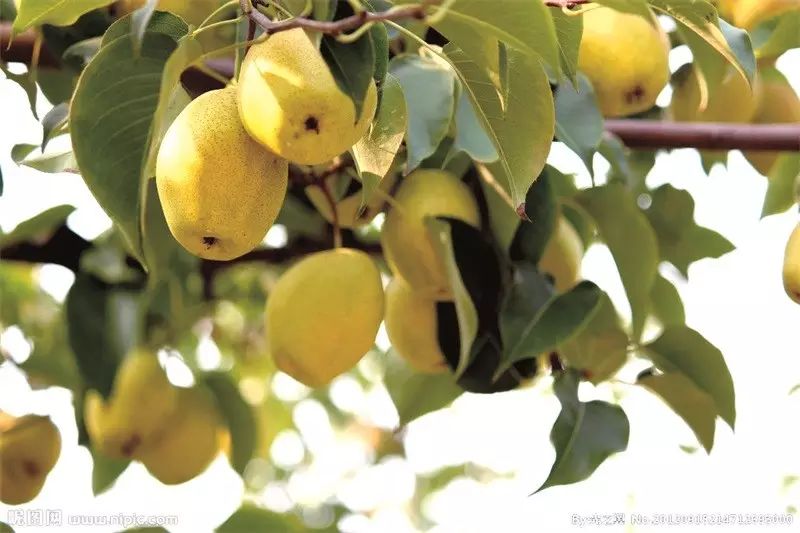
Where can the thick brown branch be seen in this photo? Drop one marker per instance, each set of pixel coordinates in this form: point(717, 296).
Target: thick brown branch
point(65, 247)
point(661, 134)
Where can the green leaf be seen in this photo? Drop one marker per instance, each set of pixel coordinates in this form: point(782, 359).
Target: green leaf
point(442, 238)
point(352, 66)
point(782, 184)
point(376, 150)
point(105, 471)
point(785, 36)
point(629, 167)
point(526, 335)
point(111, 115)
point(601, 348)
point(160, 22)
point(37, 227)
point(682, 349)
point(415, 394)
point(634, 7)
point(689, 402)
point(54, 120)
point(541, 210)
point(55, 12)
point(522, 130)
point(470, 136)
point(681, 241)
point(579, 123)
point(526, 26)
point(53, 163)
point(569, 30)
point(21, 151)
point(26, 82)
point(665, 303)
point(140, 21)
point(51, 361)
point(102, 325)
point(503, 220)
point(715, 44)
point(429, 90)
point(238, 417)
point(584, 435)
point(631, 240)
point(80, 53)
point(56, 84)
point(380, 43)
point(249, 518)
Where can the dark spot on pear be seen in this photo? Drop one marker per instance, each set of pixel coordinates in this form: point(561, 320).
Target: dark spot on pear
point(209, 241)
point(312, 124)
point(635, 95)
point(130, 446)
point(30, 468)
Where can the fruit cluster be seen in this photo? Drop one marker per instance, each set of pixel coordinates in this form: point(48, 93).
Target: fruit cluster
point(175, 432)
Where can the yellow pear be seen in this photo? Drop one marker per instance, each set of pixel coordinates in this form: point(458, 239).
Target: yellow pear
point(189, 441)
point(562, 255)
point(725, 8)
point(411, 325)
point(29, 448)
point(141, 401)
point(625, 57)
point(406, 242)
point(348, 209)
point(748, 14)
point(323, 314)
point(777, 103)
point(733, 100)
point(791, 266)
point(289, 101)
point(220, 190)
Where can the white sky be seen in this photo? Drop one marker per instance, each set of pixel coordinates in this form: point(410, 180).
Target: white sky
point(737, 302)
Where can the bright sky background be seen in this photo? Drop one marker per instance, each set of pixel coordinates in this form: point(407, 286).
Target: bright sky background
point(737, 302)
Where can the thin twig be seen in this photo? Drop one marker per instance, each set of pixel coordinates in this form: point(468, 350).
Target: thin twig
point(361, 18)
point(339, 26)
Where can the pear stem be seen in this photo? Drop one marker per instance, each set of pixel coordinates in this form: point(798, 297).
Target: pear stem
point(337, 232)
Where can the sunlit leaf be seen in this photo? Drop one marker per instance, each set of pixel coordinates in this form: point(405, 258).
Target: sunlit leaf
point(688, 401)
point(584, 435)
point(631, 240)
point(683, 350)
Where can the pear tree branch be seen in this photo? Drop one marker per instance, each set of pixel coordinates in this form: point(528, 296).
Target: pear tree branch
point(337, 27)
